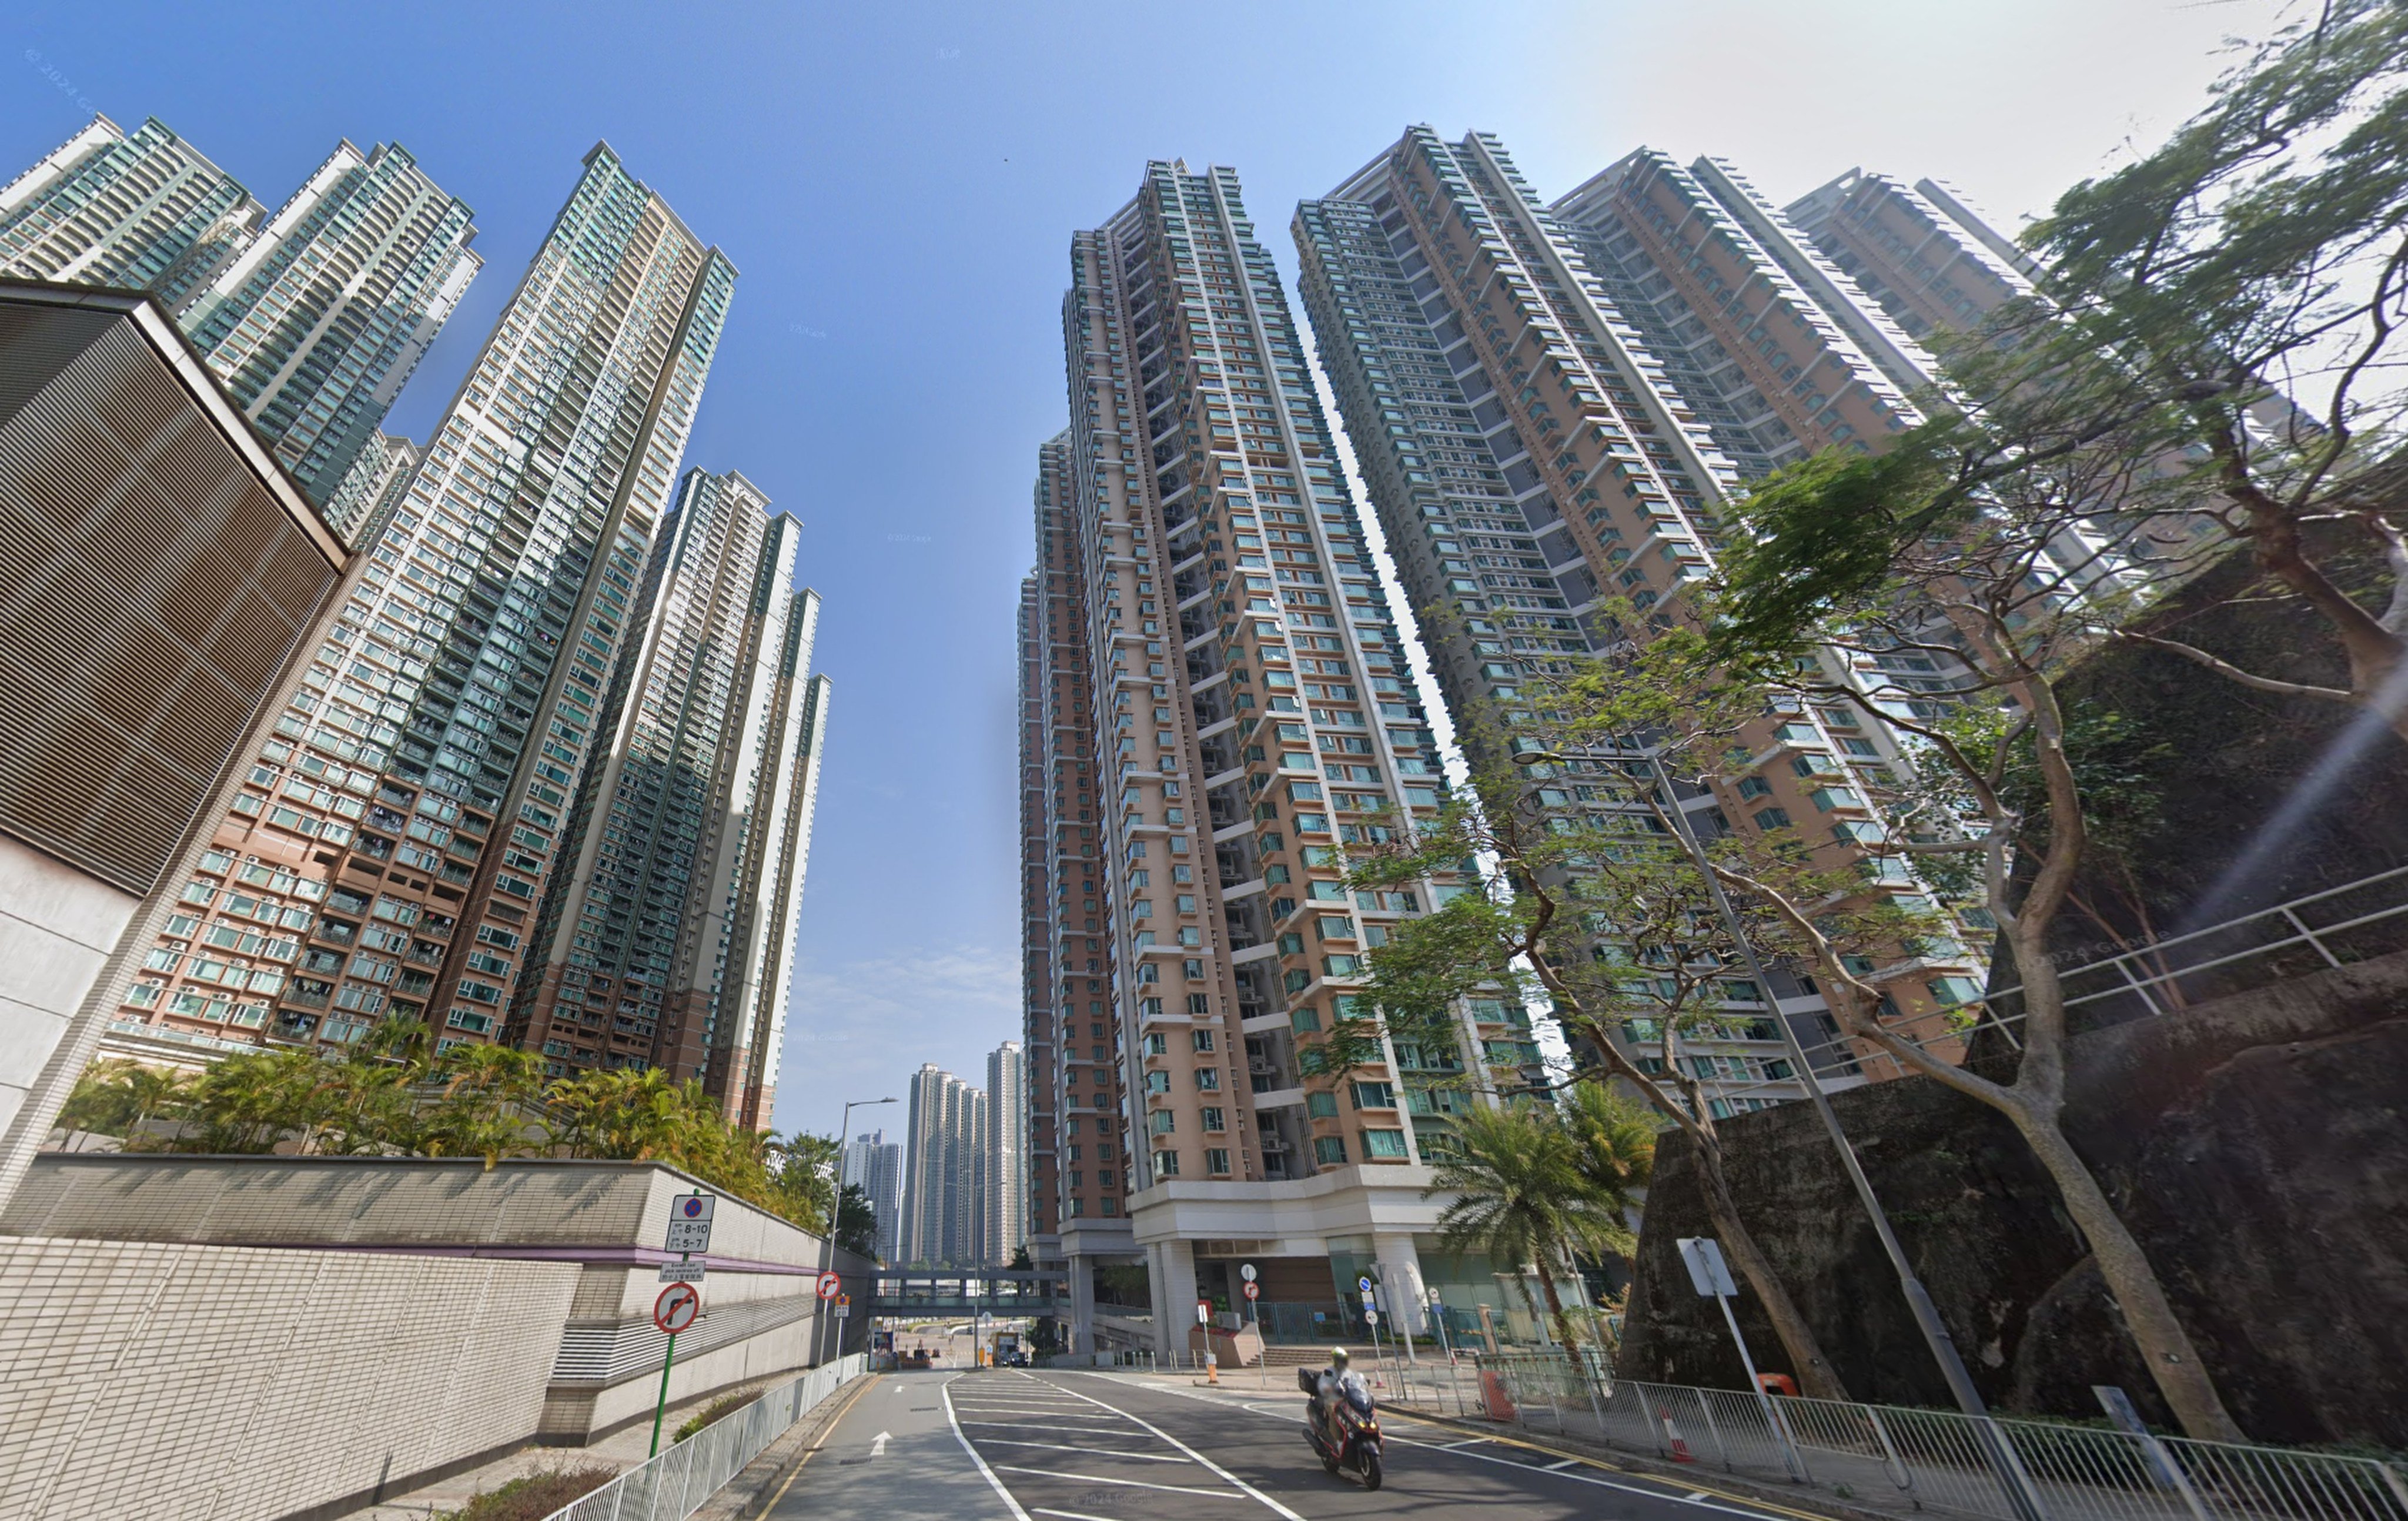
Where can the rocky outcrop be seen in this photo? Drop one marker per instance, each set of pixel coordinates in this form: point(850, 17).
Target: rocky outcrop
point(2255, 1143)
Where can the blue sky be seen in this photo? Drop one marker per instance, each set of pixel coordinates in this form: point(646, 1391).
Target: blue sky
point(898, 185)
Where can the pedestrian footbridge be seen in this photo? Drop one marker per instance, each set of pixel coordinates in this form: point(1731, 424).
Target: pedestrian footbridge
point(935, 1292)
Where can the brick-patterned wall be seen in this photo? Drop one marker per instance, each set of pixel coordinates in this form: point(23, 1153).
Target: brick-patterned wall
point(153, 1378)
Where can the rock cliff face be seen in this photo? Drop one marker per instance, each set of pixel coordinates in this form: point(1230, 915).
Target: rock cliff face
point(2255, 1143)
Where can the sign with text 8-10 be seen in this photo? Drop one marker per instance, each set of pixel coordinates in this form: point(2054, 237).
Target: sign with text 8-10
point(689, 1223)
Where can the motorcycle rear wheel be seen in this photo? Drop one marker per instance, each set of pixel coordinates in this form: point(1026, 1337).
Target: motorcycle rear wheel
point(1329, 1463)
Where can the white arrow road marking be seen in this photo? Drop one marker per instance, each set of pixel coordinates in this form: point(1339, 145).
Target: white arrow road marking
point(878, 1443)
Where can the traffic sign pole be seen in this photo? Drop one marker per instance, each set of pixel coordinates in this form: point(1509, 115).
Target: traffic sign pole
point(678, 1307)
point(661, 1406)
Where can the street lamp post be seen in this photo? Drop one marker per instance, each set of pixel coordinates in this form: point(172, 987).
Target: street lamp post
point(836, 1210)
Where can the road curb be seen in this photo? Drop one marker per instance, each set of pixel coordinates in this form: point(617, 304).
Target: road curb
point(1788, 1499)
point(742, 1497)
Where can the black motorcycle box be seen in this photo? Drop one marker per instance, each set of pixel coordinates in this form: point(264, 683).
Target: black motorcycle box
point(1309, 1380)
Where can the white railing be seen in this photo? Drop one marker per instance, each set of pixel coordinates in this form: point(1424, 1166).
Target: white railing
point(1884, 1456)
point(674, 1484)
point(2150, 974)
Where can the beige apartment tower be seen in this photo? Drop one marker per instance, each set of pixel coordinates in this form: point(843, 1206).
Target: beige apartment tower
point(1552, 407)
point(1225, 705)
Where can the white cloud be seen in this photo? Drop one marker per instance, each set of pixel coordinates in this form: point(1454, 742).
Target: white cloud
point(858, 1029)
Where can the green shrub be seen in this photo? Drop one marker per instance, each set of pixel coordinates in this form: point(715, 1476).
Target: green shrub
point(532, 1497)
point(718, 1410)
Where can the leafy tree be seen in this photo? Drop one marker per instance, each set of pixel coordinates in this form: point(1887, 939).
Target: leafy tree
point(1519, 1194)
point(120, 1098)
point(2007, 785)
point(806, 1174)
point(2213, 359)
point(856, 1223)
point(389, 1096)
point(1584, 896)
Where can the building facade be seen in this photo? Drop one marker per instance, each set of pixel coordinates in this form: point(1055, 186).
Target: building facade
point(321, 315)
point(143, 210)
point(368, 496)
point(314, 317)
point(1552, 407)
point(395, 835)
point(874, 1165)
point(665, 938)
point(166, 580)
point(945, 1169)
point(1005, 1204)
point(1229, 708)
point(1038, 929)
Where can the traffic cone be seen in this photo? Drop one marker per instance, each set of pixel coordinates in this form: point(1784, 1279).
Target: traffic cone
point(1213, 1371)
point(1681, 1452)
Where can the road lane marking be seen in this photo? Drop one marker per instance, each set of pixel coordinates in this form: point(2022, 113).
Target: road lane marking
point(1191, 1451)
point(1135, 1484)
point(1106, 1452)
point(1069, 1515)
point(947, 1390)
point(1574, 1462)
point(1757, 1510)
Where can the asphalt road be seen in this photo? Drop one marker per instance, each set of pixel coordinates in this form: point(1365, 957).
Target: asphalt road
point(1005, 1445)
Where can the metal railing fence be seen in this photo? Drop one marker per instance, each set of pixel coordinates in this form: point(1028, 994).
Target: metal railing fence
point(2330, 928)
point(1886, 1456)
point(674, 1484)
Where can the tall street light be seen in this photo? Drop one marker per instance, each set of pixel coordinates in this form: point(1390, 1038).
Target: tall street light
point(836, 1202)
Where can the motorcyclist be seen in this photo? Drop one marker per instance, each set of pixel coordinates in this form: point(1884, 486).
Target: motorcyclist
point(1337, 1380)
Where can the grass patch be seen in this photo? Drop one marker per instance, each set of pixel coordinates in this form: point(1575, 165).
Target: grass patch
point(532, 1497)
point(718, 1410)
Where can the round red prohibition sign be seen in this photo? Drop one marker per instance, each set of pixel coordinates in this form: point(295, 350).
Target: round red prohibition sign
point(677, 1308)
point(1254, 1291)
point(830, 1286)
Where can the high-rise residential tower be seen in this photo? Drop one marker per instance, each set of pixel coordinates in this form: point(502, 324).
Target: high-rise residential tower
point(395, 838)
point(368, 496)
point(944, 1172)
point(1551, 408)
point(139, 212)
point(1005, 1206)
point(1931, 261)
point(323, 315)
point(874, 1165)
point(666, 936)
point(1039, 932)
point(314, 318)
point(1232, 707)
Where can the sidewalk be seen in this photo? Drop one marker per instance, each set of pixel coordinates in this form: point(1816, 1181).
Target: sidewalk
point(617, 1452)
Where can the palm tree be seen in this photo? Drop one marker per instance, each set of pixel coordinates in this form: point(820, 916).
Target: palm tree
point(1520, 1195)
point(1616, 1141)
point(118, 1098)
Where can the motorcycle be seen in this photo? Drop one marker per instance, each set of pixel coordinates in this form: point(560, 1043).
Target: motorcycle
point(1344, 1431)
